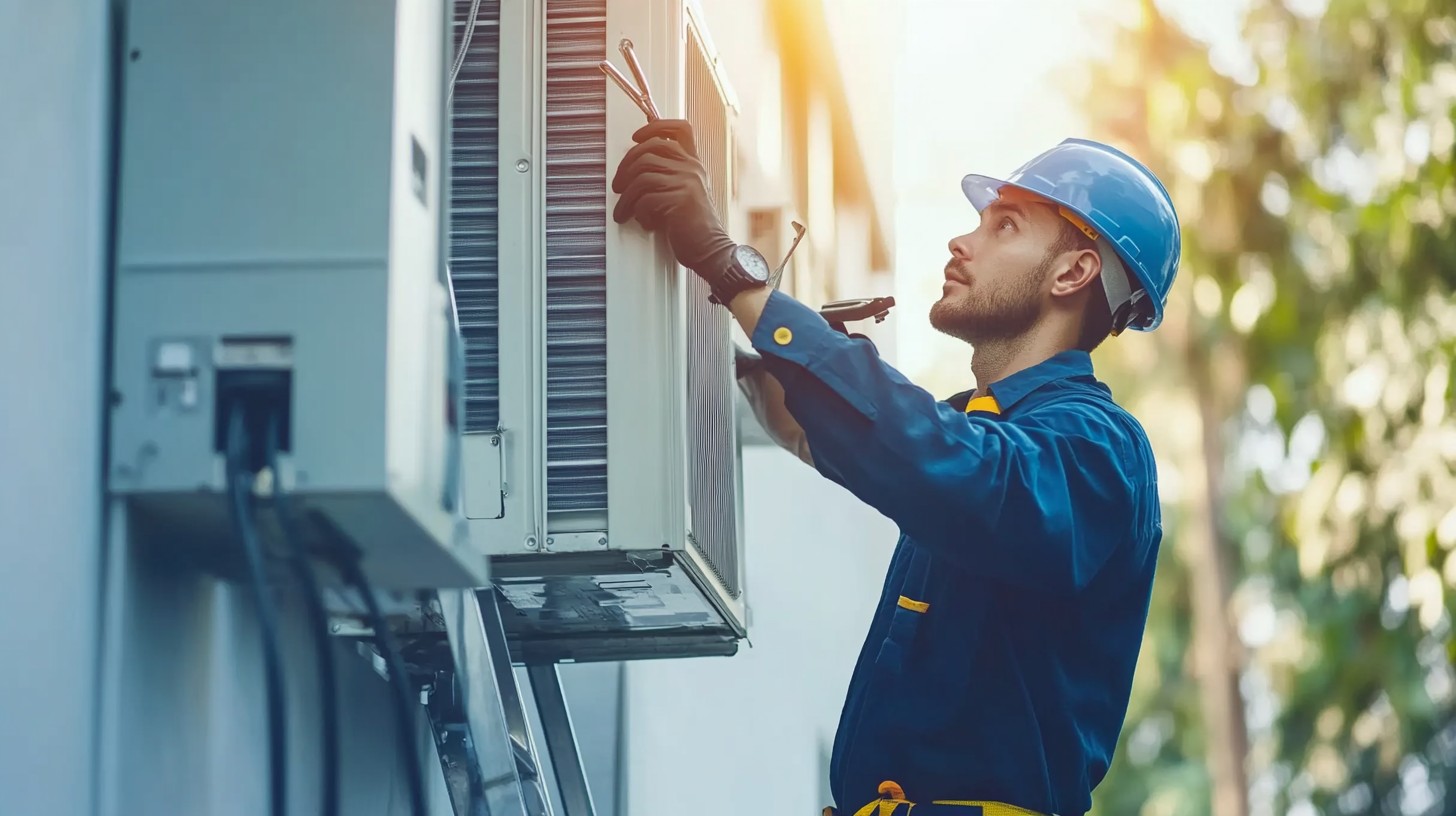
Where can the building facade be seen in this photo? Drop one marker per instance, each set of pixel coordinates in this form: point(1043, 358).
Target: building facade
point(137, 689)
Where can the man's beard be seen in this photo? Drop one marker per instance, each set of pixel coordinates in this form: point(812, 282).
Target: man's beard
point(978, 317)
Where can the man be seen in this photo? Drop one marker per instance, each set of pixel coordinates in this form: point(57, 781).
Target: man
point(996, 673)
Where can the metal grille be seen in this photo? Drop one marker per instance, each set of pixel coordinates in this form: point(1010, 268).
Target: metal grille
point(473, 208)
point(712, 445)
point(576, 257)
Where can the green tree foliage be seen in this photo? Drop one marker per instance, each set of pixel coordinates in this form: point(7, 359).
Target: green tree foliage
point(1315, 335)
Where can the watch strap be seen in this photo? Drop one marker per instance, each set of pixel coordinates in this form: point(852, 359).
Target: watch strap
point(730, 282)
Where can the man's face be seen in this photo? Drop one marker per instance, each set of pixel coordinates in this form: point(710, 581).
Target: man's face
point(996, 282)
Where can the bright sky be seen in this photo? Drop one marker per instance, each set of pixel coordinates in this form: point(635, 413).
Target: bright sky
point(975, 95)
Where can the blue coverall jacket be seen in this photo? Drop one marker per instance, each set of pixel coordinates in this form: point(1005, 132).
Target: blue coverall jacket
point(1001, 654)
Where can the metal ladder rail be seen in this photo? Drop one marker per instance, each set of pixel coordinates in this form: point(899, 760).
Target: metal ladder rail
point(560, 740)
point(505, 766)
point(500, 752)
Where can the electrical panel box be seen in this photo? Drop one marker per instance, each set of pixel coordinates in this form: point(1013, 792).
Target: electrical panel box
point(602, 462)
point(282, 207)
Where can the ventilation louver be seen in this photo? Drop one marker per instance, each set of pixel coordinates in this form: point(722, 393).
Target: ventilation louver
point(712, 443)
point(604, 460)
point(576, 257)
point(474, 202)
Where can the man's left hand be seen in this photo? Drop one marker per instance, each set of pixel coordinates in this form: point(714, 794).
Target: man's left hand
point(664, 187)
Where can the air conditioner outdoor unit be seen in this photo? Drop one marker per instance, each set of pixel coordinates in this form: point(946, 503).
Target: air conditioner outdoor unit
point(280, 243)
point(601, 454)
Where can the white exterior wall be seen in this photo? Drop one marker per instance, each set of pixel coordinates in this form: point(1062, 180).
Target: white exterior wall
point(753, 733)
point(53, 91)
point(184, 728)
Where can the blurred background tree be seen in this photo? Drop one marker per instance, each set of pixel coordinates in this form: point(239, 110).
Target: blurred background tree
point(1298, 657)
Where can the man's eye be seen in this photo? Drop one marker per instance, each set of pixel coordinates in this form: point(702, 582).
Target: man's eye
point(1006, 222)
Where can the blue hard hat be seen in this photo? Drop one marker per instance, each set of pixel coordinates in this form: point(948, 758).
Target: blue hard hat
point(1123, 203)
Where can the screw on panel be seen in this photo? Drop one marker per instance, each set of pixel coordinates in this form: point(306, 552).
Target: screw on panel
point(530, 542)
point(550, 542)
point(495, 441)
point(522, 166)
point(602, 542)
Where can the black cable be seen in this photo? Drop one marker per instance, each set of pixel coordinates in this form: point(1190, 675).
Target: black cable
point(398, 680)
point(318, 619)
point(238, 488)
point(110, 547)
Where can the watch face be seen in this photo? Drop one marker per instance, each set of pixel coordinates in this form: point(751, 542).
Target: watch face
point(751, 262)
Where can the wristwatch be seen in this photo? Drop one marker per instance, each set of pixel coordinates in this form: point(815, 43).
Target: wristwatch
point(746, 270)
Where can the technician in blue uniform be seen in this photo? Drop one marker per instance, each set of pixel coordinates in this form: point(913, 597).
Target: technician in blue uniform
point(996, 673)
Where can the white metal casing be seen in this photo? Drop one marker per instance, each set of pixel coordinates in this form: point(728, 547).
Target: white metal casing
point(649, 477)
point(281, 174)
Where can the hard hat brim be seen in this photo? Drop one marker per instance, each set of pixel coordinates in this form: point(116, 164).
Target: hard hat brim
point(982, 190)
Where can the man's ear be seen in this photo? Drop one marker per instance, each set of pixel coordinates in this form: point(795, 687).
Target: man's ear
point(1080, 269)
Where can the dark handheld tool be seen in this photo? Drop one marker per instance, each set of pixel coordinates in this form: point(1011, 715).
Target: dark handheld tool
point(641, 95)
point(841, 312)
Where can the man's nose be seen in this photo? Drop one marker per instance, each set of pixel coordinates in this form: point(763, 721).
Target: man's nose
point(960, 247)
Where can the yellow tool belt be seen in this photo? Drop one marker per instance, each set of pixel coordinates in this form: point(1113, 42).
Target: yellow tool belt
point(892, 802)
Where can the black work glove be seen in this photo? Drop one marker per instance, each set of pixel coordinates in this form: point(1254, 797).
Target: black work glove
point(664, 186)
